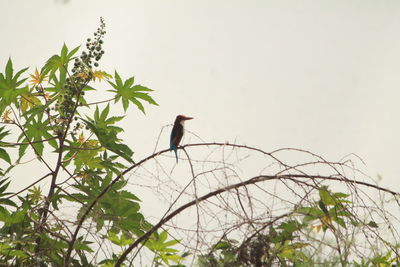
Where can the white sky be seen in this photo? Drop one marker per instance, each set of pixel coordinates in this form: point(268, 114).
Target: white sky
point(318, 75)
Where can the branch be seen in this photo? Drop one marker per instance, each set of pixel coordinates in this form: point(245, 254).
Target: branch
point(251, 181)
point(62, 137)
point(82, 148)
point(29, 186)
point(90, 207)
point(100, 102)
point(27, 143)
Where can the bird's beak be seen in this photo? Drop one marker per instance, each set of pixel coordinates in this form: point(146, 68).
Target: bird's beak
point(188, 118)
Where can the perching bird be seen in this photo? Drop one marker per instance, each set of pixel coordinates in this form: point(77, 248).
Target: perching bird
point(177, 133)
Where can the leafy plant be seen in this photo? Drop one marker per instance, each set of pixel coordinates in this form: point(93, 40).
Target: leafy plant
point(78, 143)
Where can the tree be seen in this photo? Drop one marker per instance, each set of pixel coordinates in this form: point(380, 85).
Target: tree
point(237, 221)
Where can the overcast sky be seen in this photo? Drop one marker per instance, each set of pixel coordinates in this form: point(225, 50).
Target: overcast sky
point(318, 75)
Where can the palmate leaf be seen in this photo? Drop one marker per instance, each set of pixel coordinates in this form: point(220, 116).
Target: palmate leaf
point(28, 100)
point(118, 207)
point(37, 110)
point(84, 154)
point(36, 131)
point(157, 242)
point(106, 133)
point(59, 62)
point(3, 153)
point(121, 240)
point(10, 86)
point(163, 248)
point(127, 92)
point(4, 199)
point(101, 75)
point(335, 199)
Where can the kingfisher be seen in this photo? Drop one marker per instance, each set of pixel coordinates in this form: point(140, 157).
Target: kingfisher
point(177, 133)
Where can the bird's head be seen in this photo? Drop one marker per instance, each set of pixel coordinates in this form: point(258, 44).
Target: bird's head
point(181, 119)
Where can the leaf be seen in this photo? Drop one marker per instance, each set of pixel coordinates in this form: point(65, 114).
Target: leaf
point(326, 196)
point(4, 199)
point(290, 226)
point(163, 236)
point(3, 132)
point(340, 221)
point(3, 187)
point(36, 130)
point(340, 195)
point(85, 154)
point(121, 240)
point(82, 246)
point(64, 51)
point(37, 78)
point(101, 75)
point(373, 224)
point(322, 206)
point(58, 62)
point(9, 86)
point(310, 211)
point(73, 52)
point(106, 133)
point(129, 195)
point(52, 65)
point(9, 70)
point(4, 155)
point(35, 194)
point(127, 92)
point(159, 244)
point(223, 245)
point(28, 100)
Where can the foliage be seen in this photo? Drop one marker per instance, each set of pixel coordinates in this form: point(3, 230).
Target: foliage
point(50, 109)
point(48, 115)
point(282, 244)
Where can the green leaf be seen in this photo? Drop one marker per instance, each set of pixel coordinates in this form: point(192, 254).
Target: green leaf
point(9, 86)
point(373, 224)
point(290, 226)
point(4, 155)
point(85, 154)
point(129, 195)
point(121, 240)
point(223, 245)
point(106, 133)
point(73, 52)
point(64, 51)
point(326, 196)
point(310, 211)
point(28, 100)
point(340, 195)
point(59, 63)
point(82, 246)
point(3, 132)
point(52, 65)
point(9, 70)
point(36, 130)
point(322, 206)
point(158, 243)
point(127, 92)
point(163, 236)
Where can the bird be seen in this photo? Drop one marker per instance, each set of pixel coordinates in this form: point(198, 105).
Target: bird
point(177, 133)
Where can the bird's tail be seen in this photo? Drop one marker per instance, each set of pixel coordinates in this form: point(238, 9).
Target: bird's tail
point(176, 155)
point(175, 149)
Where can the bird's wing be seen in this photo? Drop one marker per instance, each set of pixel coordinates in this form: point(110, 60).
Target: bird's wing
point(173, 137)
point(176, 136)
